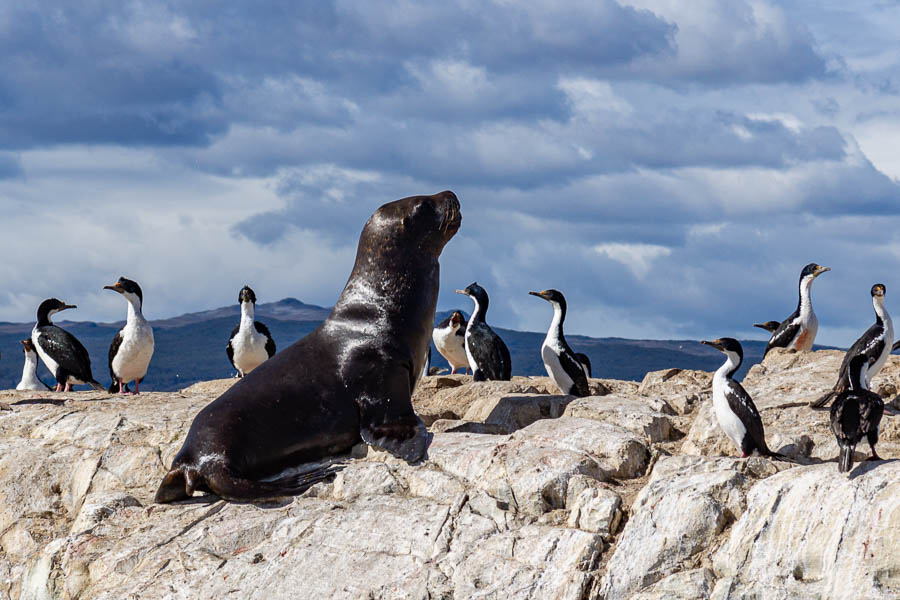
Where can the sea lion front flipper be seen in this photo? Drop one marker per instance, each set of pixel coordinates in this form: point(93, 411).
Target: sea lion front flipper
point(389, 422)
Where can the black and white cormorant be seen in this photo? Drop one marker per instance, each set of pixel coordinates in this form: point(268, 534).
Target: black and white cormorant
point(875, 344)
point(856, 414)
point(132, 348)
point(65, 357)
point(769, 326)
point(734, 408)
point(563, 366)
point(798, 331)
point(487, 354)
point(30, 379)
point(450, 340)
point(250, 343)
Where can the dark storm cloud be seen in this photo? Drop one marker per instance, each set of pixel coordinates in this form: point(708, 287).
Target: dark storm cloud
point(165, 73)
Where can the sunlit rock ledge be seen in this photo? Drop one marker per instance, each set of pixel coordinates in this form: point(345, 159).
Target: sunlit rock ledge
point(631, 493)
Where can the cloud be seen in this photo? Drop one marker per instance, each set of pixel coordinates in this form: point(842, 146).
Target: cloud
point(669, 166)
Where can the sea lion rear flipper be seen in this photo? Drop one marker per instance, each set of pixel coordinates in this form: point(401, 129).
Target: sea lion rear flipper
point(389, 422)
point(217, 478)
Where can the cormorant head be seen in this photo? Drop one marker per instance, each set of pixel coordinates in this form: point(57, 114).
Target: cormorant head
point(128, 288)
point(550, 296)
point(770, 326)
point(813, 270)
point(457, 319)
point(878, 290)
point(27, 346)
point(246, 295)
point(727, 345)
point(474, 291)
point(50, 307)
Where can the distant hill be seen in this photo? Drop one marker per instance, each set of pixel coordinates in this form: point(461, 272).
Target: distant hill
point(191, 347)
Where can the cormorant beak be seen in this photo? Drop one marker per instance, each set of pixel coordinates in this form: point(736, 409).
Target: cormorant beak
point(463, 292)
point(879, 292)
point(715, 344)
point(821, 270)
point(65, 306)
point(116, 287)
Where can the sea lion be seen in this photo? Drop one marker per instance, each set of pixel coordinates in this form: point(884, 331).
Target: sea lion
point(349, 380)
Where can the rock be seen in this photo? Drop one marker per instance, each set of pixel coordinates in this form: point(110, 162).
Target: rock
point(535, 513)
point(592, 506)
point(460, 426)
point(452, 402)
point(630, 413)
point(98, 506)
point(686, 585)
point(598, 387)
point(812, 532)
point(512, 412)
point(681, 389)
point(687, 503)
point(529, 470)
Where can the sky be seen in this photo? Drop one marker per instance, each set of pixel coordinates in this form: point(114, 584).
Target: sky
point(670, 166)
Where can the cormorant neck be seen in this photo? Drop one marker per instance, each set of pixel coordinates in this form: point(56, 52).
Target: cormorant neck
point(804, 304)
point(730, 366)
point(881, 314)
point(248, 311)
point(134, 309)
point(43, 318)
point(481, 306)
point(857, 381)
point(30, 363)
point(559, 316)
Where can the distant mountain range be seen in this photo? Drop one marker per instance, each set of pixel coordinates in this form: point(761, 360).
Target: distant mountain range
point(191, 347)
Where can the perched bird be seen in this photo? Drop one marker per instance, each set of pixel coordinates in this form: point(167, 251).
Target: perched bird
point(856, 414)
point(769, 326)
point(250, 343)
point(30, 379)
point(62, 353)
point(875, 344)
point(585, 361)
point(132, 348)
point(735, 411)
point(798, 331)
point(488, 356)
point(450, 340)
point(562, 365)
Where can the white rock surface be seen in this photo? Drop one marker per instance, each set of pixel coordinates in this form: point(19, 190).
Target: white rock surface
point(558, 505)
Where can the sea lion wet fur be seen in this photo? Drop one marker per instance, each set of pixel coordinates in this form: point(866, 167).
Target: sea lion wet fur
point(349, 380)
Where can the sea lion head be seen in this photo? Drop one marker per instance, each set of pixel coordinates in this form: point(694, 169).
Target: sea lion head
point(420, 223)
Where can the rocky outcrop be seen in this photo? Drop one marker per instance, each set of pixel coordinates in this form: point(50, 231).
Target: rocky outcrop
point(630, 493)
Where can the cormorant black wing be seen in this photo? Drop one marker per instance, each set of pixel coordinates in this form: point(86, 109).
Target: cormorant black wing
point(871, 344)
point(871, 409)
point(270, 343)
point(845, 418)
point(785, 333)
point(113, 350)
point(490, 353)
point(585, 360)
point(741, 404)
point(67, 351)
point(229, 350)
point(575, 370)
